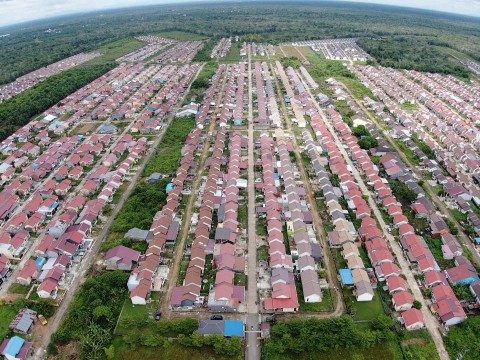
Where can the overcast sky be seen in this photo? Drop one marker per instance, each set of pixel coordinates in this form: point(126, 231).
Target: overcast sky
point(15, 11)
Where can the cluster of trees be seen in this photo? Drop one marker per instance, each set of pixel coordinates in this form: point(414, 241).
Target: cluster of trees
point(412, 52)
point(219, 344)
point(17, 111)
point(292, 61)
point(313, 337)
point(92, 315)
point(402, 192)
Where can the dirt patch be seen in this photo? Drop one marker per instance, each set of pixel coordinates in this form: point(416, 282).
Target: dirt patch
point(71, 351)
point(418, 341)
point(86, 128)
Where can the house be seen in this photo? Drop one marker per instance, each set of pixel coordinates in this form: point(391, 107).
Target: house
point(16, 348)
point(121, 258)
point(402, 301)
point(464, 274)
point(140, 294)
point(23, 322)
point(28, 273)
point(413, 319)
point(48, 289)
point(475, 290)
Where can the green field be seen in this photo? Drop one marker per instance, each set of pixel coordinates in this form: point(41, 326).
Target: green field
point(116, 49)
point(7, 313)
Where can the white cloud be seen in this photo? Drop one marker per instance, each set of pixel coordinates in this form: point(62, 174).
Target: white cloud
point(15, 11)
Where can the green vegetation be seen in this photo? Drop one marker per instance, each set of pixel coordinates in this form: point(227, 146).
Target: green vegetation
point(368, 142)
point(325, 306)
point(402, 192)
point(202, 82)
point(136, 332)
point(411, 156)
point(294, 62)
point(92, 315)
point(114, 50)
point(181, 36)
point(7, 313)
point(204, 54)
point(18, 289)
point(168, 154)
point(140, 208)
point(17, 111)
point(413, 52)
point(317, 339)
point(462, 340)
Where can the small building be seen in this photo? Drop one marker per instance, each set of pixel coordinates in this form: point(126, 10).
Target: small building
point(16, 348)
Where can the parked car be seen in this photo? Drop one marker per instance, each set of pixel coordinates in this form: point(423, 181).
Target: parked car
point(158, 315)
point(216, 317)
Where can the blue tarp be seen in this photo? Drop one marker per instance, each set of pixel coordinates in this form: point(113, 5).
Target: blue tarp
point(346, 276)
point(477, 240)
point(234, 328)
point(169, 187)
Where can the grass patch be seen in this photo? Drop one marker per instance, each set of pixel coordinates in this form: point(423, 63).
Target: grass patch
point(18, 289)
point(113, 51)
point(168, 154)
point(7, 313)
point(262, 253)
point(325, 306)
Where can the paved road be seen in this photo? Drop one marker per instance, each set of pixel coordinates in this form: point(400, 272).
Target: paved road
point(317, 220)
point(431, 322)
point(252, 349)
point(89, 257)
point(433, 196)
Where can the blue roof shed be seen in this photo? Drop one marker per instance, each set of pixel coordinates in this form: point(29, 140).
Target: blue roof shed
point(346, 276)
point(14, 346)
point(234, 328)
point(40, 262)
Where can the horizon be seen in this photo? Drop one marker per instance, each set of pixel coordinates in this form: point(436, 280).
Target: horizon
point(11, 8)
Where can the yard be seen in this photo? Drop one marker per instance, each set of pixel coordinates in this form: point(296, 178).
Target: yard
point(325, 306)
point(6, 316)
point(137, 314)
point(363, 310)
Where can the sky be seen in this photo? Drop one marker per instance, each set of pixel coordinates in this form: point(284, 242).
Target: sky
point(16, 11)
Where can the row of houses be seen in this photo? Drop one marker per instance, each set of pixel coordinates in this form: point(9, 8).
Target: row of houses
point(222, 48)
point(268, 113)
point(449, 310)
point(181, 52)
point(460, 185)
point(155, 45)
point(336, 49)
point(32, 78)
point(150, 118)
point(188, 295)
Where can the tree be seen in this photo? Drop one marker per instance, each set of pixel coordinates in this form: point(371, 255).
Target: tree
point(417, 304)
point(360, 131)
point(368, 142)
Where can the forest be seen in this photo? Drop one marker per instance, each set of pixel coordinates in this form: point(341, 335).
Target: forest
point(17, 111)
point(30, 47)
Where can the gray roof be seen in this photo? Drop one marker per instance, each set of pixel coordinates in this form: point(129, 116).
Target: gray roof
point(24, 324)
point(211, 327)
point(137, 234)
